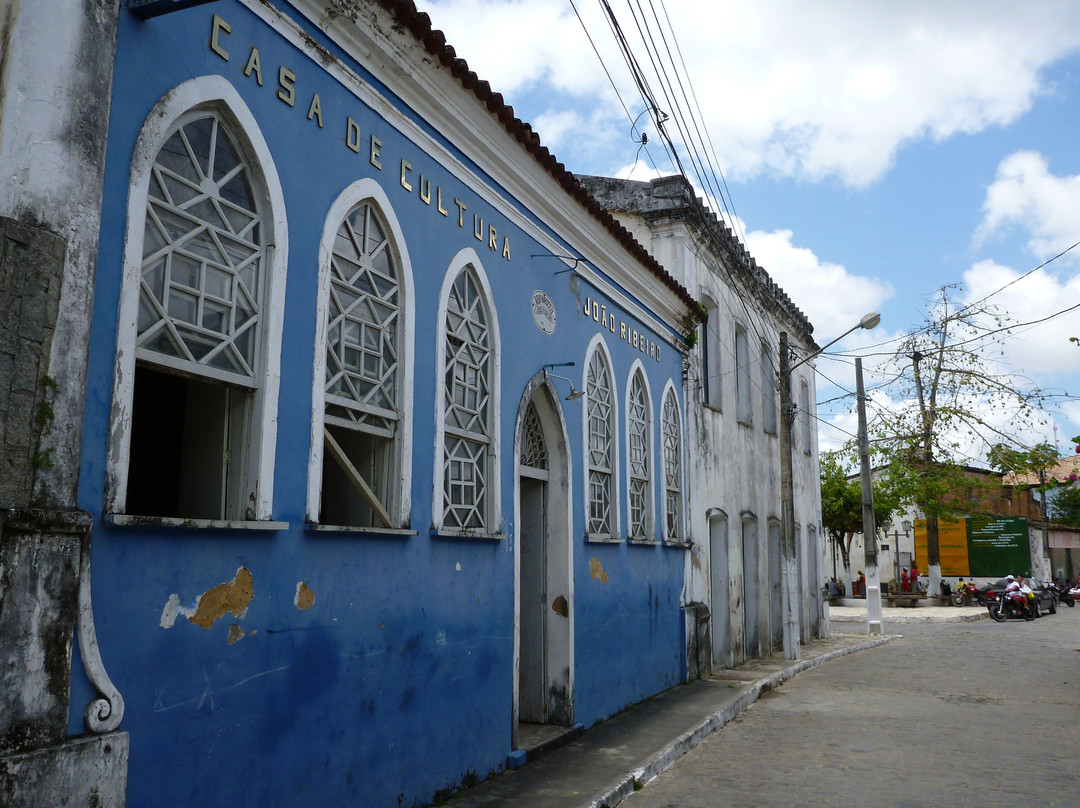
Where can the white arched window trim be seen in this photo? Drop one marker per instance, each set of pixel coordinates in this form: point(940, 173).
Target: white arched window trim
point(360, 192)
point(649, 527)
point(466, 258)
point(217, 94)
point(684, 537)
point(598, 344)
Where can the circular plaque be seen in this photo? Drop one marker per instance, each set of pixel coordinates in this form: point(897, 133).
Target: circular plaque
point(543, 312)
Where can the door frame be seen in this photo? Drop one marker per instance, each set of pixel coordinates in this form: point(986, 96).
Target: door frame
point(559, 514)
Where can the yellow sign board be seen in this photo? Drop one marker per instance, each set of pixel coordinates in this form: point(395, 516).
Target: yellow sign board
point(952, 546)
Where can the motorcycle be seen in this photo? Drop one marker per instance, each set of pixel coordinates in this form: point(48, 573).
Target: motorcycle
point(962, 595)
point(1007, 606)
point(1061, 594)
point(967, 593)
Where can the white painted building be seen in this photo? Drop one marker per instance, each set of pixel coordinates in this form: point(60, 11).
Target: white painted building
point(733, 413)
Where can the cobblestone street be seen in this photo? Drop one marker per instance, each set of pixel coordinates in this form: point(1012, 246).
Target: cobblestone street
point(973, 713)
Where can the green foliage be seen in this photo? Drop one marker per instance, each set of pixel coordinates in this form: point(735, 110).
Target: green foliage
point(841, 498)
point(841, 501)
point(1039, 458)
point(1064, 507)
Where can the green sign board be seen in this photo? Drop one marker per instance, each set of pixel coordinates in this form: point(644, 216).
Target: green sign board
point(987, 547)
point(998, 546)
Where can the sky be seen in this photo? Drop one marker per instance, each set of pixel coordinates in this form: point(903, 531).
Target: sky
point(871, 153)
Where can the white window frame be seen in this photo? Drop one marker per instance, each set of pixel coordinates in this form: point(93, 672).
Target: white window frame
point(598, 344)
point(804, 416)
point(647, 475)
point(468, 259)
point(216, 94)
point(770, 419)
point(711, 357)
point(670, 394)
point(365, 191)
point(744, 401)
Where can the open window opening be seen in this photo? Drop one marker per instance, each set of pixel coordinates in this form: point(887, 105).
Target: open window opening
point(189, 445)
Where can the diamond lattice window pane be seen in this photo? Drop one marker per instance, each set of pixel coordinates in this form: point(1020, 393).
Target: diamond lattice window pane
point(600, 414)
point(363, 322)
point(533, 445)
point(466, 395)
point(187, 223)
point(672, 431)
point(638, 452)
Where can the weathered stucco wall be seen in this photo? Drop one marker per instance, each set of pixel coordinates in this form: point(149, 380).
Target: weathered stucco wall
point(55, 77)
point(734, 468)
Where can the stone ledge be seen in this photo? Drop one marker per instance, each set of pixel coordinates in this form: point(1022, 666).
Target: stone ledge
point(86, 770)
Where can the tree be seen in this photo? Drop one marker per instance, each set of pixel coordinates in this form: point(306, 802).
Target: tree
point(957, 402)
point(1064, 507)
point(841, 505)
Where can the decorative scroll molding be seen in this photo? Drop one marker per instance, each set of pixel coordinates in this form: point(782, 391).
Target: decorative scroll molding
point(103, 714)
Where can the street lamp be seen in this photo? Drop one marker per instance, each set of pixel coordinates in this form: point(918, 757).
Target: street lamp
point(789, 592)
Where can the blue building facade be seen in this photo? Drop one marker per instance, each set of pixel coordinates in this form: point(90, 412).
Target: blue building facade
point(384, 438)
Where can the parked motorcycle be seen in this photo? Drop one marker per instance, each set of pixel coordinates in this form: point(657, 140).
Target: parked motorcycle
point(1061, 594)
point(969, 593)
point(961, 596)
point(1006, 606)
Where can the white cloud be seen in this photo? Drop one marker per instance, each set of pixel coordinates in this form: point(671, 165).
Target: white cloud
point(833, 298)
point(1037, 349)
point(1026, 195)
point(814, 90)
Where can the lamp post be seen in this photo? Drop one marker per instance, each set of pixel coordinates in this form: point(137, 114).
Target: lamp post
point(906, 525)
point(789, 575)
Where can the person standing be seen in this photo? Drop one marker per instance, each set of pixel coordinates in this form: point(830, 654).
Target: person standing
point(914, 577)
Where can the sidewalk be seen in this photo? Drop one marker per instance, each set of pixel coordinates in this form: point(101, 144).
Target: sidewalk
point(602, 767)
point(902, 614)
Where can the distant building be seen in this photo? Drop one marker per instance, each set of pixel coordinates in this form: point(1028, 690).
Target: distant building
point(733, 425)
point(989, 495)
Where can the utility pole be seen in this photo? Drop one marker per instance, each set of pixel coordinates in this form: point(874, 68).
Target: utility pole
point(933, 552)
point(873, 582)
point(789, 574)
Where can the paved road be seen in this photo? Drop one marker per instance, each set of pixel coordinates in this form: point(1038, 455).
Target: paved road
point(929, 719)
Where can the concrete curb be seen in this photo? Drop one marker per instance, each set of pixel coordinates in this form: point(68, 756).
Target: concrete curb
point(683, 744)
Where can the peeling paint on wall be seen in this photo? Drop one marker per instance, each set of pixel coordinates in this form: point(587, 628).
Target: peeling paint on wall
point(596, 570)
point(304, 598)
point(235, 633)
point(231, 596)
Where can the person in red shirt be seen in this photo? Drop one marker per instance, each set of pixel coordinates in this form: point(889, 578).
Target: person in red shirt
point(904, 585)
point(914, 578)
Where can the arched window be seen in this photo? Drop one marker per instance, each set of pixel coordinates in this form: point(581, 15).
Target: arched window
point(194, 402)
point(768, 390)
point(600, 426)
point(639, 457)
point(671, 427)
point(804, 416)
point(712, 370)
point(743, 403)
point(363, 385)
point(468, 409)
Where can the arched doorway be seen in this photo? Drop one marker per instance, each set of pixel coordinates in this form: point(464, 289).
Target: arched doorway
point(543, 688)
point(720, 599)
